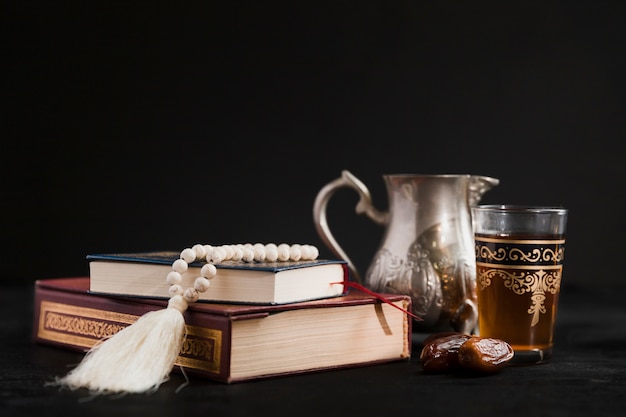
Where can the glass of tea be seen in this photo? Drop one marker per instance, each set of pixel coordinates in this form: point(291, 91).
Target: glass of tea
point(519, 265)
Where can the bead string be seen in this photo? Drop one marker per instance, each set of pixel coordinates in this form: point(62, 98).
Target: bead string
point(213, 255)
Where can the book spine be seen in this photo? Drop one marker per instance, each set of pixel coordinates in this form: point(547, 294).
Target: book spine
point(77, 322)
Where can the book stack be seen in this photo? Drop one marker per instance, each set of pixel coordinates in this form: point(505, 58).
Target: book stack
point(258, 320)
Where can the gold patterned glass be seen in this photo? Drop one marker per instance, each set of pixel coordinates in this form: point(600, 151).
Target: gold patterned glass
point(519, 265)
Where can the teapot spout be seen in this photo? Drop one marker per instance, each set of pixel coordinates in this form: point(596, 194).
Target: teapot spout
point(478, 186)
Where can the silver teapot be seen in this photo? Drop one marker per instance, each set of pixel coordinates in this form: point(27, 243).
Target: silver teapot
point(427, 251)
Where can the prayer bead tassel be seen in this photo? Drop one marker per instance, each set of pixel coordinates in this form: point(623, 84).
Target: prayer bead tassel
point(137, 359)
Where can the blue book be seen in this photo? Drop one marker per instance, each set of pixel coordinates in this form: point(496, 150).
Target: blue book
point(143, 274)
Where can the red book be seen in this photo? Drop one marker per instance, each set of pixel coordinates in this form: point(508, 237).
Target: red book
point(237, 342)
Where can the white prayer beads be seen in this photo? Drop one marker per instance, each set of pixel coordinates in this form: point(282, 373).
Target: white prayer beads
point(247, 253)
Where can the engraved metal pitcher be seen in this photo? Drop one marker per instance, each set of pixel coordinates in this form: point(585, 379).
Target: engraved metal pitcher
point(427, 251)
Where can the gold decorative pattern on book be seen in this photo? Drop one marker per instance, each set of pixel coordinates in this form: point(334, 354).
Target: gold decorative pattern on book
point(84, 327)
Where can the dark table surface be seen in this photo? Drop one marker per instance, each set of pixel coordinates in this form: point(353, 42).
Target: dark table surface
point(586, 375)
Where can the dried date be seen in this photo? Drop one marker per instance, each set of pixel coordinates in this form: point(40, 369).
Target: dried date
point(443, 352)
point(484, 355)
point(440, 354)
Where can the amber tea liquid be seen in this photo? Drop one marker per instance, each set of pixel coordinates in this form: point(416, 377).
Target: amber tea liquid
point(518, 280)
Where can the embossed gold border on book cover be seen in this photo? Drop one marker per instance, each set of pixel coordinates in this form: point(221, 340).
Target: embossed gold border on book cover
point(84, 327)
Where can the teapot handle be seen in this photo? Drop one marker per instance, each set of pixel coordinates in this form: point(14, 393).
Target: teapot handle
point(364, 206)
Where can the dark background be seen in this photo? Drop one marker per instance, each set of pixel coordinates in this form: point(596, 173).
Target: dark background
point(156, 125)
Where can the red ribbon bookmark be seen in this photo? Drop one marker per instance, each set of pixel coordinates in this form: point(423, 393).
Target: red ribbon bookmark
point(380, 297)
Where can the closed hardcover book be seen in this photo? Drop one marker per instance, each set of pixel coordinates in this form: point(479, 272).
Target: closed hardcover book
point(143, 274)
point(237, 342)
